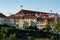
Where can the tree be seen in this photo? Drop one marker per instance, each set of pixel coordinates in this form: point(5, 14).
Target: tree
point(47, 27)
point(12, 37)
point(55, 28)
point(4, 34)
point(32, 28)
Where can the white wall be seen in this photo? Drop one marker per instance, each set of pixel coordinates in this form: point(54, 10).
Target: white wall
point(27, 22)
point(4, 20)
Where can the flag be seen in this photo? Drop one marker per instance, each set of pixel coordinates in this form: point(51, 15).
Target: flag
point(50, 10)
point(21, 6)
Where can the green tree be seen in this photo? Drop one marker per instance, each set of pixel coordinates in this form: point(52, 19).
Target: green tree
point(47, 27)
point(55, 28)
point(52, 38)
point(3, 32)
point(4, 36)
point(12, 37)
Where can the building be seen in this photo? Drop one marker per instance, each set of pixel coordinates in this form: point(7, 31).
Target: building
point(18, 21)
point(13, 20)
point(26, 18)
point(3, 19)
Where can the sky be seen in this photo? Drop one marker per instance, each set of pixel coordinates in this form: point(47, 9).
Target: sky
point(8, 7)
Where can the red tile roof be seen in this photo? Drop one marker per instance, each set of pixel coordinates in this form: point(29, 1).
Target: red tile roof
point(31, 15)
point(28, 16)
point(14, 17)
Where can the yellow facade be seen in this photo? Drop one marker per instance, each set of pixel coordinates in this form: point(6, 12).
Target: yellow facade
point(41, 24)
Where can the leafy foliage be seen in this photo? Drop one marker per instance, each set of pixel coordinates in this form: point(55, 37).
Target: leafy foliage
point(12, 33)
point(4, 34)
point(47, 27)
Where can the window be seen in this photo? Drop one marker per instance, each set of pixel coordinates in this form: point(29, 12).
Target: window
point(33, 23)
point(37, 22)
point(37, 25)
point(26, 24)
point(41, 25)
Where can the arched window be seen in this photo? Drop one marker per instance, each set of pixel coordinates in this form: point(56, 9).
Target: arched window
point(33, 23)
point(26, 24)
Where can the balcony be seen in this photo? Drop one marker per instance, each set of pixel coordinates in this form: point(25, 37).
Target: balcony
point(51, 15)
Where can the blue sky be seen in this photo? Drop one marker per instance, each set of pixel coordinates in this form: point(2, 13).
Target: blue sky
point(8, 7)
